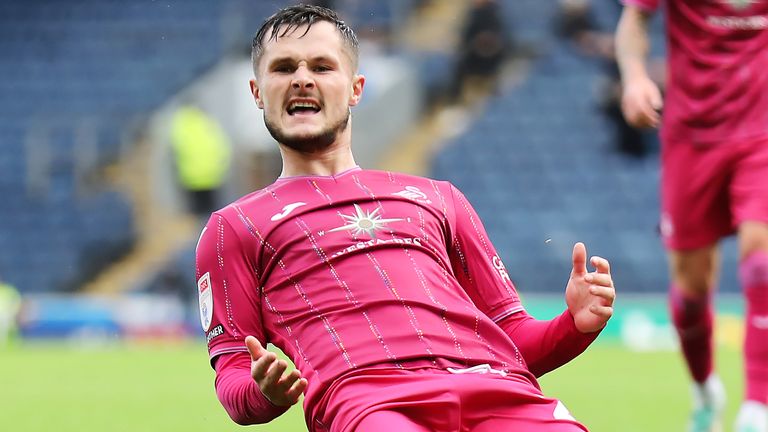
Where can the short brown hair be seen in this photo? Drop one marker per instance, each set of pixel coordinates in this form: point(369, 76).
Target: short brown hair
point(288, 19)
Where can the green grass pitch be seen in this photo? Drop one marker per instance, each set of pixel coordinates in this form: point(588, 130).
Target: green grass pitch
point(55, 387)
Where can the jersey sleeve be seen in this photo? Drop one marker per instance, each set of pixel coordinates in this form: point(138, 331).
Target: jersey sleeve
point(477, 266)
point(227, 288)
point(239, 394)
point(646, 5)
point(544, 344)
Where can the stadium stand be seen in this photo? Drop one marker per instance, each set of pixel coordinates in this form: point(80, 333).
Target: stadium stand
point(541, 150)
point(376, 24)
point(541, 169)
point(76, 77)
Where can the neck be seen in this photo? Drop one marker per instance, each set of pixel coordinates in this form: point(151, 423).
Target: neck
point(334, 159)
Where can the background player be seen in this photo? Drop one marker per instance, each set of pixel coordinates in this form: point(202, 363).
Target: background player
point(714, 175)
point(370, 280)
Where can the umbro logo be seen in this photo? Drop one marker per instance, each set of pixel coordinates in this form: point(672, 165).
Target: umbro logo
point(287, 210)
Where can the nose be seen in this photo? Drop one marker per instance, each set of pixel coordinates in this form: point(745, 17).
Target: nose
point(302, 79)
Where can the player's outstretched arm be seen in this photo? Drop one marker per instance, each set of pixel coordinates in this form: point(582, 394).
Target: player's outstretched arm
point(589, 295)
point(549, 344)
point(251, 385)
point(641, 100)
point(267, 370)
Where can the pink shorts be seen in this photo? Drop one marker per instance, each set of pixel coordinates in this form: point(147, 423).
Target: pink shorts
point(707, 192)
point(434, 400)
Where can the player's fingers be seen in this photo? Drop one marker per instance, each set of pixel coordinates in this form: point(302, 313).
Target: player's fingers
point(606, 293)
point(296, 390)
point(636, 108)
point(254, 347)
point(289, 380)
point(601, 279)
point(657, 101)
point(640, 111)
point(601, 264)
point(260, 366)
point(604, 312)
point(579, 258)
point(275, 372)
point(646, 115)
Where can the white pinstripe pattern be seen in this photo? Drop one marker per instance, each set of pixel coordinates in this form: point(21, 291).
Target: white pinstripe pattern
point(220, 259)
point(385, 278)
point(409, 310)
point(334, 336)
point(350, 296)
point(479, 235)
point(481, 339)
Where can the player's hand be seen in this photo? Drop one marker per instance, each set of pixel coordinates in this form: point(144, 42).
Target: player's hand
point(641, 103)
point(589, 295)
point(267, 370)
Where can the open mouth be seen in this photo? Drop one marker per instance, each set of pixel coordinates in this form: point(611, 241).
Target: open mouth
point(303, 107)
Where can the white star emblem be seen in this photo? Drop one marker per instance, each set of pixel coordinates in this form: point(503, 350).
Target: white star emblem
point(364, 222)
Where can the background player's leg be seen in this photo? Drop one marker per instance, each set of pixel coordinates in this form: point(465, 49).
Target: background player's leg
point(753, 273)
point(694, 275)
point(693, 278)
point(388, 421)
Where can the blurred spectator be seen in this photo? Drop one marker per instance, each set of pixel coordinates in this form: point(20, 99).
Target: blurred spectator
point(10, 305)
point(171, 281)
point(202, 152)
point(576, 23)
point(483, 47)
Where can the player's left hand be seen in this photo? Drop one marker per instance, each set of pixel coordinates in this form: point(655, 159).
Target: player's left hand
point(590, 295)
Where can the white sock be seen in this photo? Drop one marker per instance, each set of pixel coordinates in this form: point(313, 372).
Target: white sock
point(753, 414)
point(710, 393)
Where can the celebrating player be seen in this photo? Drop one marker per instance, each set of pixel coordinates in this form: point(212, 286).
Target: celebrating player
point(714, 175)
point(383, 288)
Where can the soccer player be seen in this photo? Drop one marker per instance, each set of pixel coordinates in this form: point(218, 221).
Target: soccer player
point(714, 175)
point(382, 288)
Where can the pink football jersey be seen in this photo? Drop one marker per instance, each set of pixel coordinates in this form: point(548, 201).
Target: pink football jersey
point(717, 87)
point(362, 269)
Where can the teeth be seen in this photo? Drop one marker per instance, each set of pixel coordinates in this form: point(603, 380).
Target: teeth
point(295, 105)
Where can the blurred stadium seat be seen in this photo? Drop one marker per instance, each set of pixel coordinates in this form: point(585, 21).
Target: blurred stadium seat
point(540, 167)
point(76, 76)
point(79, 74)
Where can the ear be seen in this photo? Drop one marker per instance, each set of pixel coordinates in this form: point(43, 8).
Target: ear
point(256, 93)
point(358, 82)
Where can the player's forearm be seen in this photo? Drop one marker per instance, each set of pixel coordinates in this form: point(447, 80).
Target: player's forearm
point(632, 44)
point(239, 393)
point(546, 345)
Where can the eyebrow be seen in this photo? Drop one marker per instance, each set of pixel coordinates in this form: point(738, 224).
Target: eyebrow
point(316, 59)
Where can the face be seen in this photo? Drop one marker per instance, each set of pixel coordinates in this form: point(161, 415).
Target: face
point(306, 84)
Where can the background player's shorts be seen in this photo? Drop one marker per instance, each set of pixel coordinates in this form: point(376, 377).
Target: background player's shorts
point(434, 400)
point(707, 192)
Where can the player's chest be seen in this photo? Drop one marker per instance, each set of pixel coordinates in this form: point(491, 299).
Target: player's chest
point(329, 231)
point(326, 219)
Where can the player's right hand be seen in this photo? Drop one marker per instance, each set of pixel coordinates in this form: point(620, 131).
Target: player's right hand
point(641, 103)
point(267, 370)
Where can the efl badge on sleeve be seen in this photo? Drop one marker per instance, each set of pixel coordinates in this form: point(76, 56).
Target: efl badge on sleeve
point(206, 300)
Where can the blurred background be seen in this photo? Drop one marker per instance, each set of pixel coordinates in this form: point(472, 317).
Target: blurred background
point(124, 123)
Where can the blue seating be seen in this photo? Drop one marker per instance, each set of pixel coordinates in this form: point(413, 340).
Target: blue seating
point(98, 61)
point(539, 164)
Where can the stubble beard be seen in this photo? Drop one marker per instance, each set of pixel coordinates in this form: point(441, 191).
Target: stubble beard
point(311, 143)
